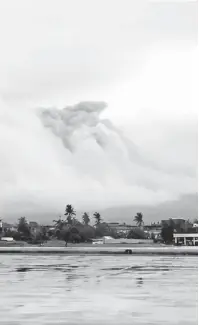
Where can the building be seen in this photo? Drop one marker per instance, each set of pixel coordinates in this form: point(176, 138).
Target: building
point(4, 227)
point(34, 227)
point(154, 229)
point(180, 225)
point(120, 228)
point(8, 226)
point(186, 239)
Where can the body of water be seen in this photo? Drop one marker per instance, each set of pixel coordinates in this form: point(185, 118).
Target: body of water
point(53, 289)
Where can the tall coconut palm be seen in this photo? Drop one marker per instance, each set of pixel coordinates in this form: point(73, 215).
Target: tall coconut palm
point(86, 219)
point(139, 219)
point(69, 213)
point(97, 217)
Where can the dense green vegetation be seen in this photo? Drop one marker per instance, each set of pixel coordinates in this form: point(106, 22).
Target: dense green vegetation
point(70, 229)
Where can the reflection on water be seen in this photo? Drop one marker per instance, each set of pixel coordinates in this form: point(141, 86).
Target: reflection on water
point(46, 290)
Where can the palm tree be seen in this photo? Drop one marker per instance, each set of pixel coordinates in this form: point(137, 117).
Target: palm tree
point(139, 219)
point(23, 226)
point(69, 213)
point(75, 222)
point(97, 217)
point(86, 218)
point(59, 223)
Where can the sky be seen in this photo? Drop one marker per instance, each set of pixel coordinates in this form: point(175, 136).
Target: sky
point(98, 103)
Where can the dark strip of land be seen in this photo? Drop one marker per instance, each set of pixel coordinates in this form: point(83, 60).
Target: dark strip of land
point(166, 250)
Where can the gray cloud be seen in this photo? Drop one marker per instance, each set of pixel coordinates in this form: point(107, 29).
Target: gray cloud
point(69, 52)
point(79, 157)
point(54, 55)
point(82, 123)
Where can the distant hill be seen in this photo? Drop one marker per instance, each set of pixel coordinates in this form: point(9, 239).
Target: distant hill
point(186, 207)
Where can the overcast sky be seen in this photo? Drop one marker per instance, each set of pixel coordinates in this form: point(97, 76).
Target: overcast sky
point(137, 56)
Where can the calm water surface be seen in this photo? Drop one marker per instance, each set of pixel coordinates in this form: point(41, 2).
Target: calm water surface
point(44, 290)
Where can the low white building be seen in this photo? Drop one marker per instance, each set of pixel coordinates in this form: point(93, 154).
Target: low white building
point(7, 239)
point(186, 239)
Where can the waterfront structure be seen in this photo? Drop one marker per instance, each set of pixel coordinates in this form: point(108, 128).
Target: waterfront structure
point(186, 239)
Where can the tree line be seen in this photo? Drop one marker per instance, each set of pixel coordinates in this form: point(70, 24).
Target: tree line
point(70, 229)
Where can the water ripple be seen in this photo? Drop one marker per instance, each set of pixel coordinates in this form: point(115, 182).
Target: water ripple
point(98, 290)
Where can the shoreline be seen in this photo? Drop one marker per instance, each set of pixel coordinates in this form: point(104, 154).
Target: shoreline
point(128, 250)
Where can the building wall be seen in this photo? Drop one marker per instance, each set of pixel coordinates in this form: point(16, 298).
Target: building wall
point(120, 227)
point(178, 223)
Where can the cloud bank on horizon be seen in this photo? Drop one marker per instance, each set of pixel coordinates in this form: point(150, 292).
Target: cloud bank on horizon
point(73, 155)
point(140, 149)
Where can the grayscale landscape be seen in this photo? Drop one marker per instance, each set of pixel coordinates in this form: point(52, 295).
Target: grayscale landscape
point(98, 162)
